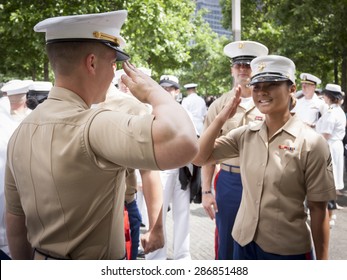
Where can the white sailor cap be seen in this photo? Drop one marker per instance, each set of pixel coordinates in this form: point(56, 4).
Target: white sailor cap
point(16, 87)
point(169, 81)
point(244, 51)
point(191, 85)
point(5, 85)
point(40, 86)
point(103, 27)
point(272, 68)
point(334, 90)
point(309, 79)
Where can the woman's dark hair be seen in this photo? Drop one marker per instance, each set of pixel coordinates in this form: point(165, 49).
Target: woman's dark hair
point(332, 97)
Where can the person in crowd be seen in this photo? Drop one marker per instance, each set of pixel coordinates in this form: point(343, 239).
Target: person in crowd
point(12, 111)
point(7, 126)
point(67, 160)
point(224, 203)
point(310, 107)
point(5, 105)
point(117, 81)
point(16, 92)
point(282, 164)
point(209, 100)
point(174, 194)
point(196, 105)
point(332, 125)
point(38, 92)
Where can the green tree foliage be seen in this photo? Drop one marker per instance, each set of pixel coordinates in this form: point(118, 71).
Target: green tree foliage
point(157, 33)
point(208, 66)
point(22, 49)
point(165, 36)
point(168, 37)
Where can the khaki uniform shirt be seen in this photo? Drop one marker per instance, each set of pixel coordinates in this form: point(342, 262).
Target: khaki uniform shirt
point(65, 173)
point(242, 117)
point(277, 175)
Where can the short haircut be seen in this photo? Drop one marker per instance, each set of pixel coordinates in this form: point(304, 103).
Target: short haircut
point(65, 56)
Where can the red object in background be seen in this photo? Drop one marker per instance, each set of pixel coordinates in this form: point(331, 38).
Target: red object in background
point(127, 234)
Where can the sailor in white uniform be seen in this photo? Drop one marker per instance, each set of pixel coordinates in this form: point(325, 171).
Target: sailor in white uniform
point(332, 125)
point(196, 105)
point(310, 107)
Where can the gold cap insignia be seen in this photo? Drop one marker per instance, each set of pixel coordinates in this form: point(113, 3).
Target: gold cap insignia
point(241, 45)
point(261, 66)
point(104, 36)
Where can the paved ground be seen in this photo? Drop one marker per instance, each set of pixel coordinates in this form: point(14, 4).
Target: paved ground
point(202, 233)
point(338, 234)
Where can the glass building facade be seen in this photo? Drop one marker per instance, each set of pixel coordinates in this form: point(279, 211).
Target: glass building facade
point(213, 16)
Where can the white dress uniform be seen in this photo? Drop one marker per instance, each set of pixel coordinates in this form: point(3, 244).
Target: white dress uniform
point(172, 193)
point(18, 89)
point(196, 105)
point(310, 110)
point(333, 122)
point(7, 126)
point(180, 205)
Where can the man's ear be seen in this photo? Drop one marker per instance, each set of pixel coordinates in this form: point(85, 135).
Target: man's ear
point(91, 61)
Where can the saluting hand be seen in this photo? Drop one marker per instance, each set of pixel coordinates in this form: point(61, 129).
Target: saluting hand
point(140, 84)
point(230, 109)
point(207, 139)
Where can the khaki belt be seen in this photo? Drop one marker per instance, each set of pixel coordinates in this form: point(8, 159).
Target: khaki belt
point(230, 168)
point(43, 256)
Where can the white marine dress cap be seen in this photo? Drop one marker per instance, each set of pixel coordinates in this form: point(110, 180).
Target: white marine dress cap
point(103, 27)
point(17, 87)
point(309, 79)
point(41, 86)
point(38, 90)
point(244, 51)
point(272, 68)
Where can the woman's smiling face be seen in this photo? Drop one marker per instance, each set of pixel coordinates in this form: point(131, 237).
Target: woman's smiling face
point(272, 97)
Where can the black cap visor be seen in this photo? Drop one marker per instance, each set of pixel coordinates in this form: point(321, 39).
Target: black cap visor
point(121, 55)
point(308, 82)
point(245, 59)
point(268, 77)
point(168, 83)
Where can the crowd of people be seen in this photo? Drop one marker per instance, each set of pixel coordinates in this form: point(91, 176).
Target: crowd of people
point(89, 160)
